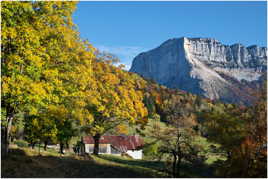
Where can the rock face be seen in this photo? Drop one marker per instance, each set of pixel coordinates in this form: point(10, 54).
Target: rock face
point(205, 67)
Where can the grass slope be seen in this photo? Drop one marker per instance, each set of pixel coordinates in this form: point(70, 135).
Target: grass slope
point(24, 162)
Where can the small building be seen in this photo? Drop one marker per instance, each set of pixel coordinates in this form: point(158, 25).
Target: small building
point(116, 145)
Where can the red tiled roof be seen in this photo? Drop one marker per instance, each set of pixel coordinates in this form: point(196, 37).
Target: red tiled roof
point(122, 143)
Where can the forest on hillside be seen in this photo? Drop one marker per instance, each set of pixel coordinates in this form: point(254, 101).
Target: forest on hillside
point(57, 88)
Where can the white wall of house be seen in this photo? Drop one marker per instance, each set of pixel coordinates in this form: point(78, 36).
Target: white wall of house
point(57, 146)
point(136, 154)
point(108, 148)
point(91, 146)
point(87, 146)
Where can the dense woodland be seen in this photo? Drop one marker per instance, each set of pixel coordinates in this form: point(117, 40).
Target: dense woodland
point(57, 88)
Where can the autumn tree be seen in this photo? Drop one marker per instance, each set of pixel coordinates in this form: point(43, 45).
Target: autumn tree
point(39, 129)
point(21, 62)
point(114, 99)
point(44, 62)
point(241, 131)
point(172, 142)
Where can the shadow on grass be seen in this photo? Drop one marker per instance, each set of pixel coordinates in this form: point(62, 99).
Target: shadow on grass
point(195, 170)
point(18, 164)
point(156, 165)
point(200, 170)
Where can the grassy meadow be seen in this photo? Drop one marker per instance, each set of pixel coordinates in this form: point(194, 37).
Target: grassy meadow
point(27, 162)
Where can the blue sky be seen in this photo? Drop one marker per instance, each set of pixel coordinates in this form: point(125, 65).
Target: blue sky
point(129, 28)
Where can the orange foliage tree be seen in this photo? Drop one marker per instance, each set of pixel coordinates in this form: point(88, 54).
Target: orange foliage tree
point(242, 133)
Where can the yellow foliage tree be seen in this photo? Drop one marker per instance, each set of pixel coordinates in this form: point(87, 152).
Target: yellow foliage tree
point(43, 59)
point(114, 98)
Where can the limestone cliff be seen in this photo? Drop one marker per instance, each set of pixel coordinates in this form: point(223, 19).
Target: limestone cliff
point(204, 66)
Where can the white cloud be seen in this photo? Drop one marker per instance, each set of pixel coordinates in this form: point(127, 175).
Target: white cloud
point(125, 53)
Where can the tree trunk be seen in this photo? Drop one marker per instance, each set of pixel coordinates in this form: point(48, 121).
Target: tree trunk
point(174, 173)
point(10, 116)
point(45, 145)
point(96, 144)
point(61, 148)
point(3, 137)
point(39, 148)
point(33, 145)
point(228, 155)
point(81, 147)
point(67, 146)
point(179, 165)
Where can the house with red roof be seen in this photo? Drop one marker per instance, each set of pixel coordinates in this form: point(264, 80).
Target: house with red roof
point(116, 145)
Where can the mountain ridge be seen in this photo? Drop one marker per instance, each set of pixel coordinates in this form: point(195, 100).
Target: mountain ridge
point(196, 65)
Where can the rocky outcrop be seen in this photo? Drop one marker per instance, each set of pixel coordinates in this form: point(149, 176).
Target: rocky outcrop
point(203, 66)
